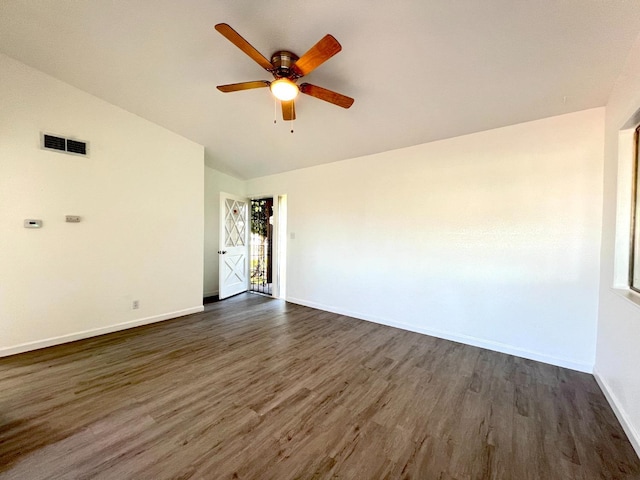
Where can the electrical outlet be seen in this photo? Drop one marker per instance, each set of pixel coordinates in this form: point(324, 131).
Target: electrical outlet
point(135, 305)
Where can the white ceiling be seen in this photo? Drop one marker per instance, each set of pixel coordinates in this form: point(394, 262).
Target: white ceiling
point(419, 70)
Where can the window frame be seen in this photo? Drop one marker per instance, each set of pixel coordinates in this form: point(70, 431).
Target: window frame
point(635, 209)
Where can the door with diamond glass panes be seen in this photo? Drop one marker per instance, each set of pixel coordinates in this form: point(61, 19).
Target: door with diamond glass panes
point(234, 245)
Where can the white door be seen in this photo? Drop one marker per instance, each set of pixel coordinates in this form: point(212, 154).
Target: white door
point(234, 245)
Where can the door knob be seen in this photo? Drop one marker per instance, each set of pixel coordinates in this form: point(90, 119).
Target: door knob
point(222, 252)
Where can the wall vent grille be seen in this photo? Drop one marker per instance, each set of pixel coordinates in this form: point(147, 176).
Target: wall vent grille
point(64, 145)
point(73, 146)
point(54, 143)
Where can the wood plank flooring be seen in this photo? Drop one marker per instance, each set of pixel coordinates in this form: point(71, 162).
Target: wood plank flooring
point(255, 388)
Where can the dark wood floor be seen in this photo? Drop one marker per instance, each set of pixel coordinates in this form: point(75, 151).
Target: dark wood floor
point(255, 388)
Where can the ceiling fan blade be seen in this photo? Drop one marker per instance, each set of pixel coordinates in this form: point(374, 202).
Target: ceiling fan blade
point(235, 38)
point(326, 95)
point(235, 87)
point(288, 110)
point(322, 51)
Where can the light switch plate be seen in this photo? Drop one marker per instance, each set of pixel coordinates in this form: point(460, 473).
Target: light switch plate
point(73, 218)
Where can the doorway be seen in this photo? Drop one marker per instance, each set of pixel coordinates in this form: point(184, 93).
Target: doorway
point(261, 251)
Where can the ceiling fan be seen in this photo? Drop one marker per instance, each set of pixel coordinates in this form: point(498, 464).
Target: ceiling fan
point(286, 68)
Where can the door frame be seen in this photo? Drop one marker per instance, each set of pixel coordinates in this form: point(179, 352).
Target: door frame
point(279, 242)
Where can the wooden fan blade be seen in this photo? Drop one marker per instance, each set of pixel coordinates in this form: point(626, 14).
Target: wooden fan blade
point(322, 51)
point(327, 95)
point(235, 87)
point(288, 109)
point(235, 38)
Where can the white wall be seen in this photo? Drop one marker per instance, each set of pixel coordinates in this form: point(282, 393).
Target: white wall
point(215, 182)
point(140, 196)
point(618, 346)
point(492, 239)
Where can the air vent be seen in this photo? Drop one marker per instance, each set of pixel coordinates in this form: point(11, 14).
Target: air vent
point(65, 145)
point(55, 143)
point(74, 146)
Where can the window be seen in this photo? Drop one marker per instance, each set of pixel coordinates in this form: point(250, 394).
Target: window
point(634, 260)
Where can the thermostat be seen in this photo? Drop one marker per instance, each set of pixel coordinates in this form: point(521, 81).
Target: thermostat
point(30, 223)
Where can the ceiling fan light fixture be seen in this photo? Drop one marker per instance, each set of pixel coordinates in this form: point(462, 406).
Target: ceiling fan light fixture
point(284, 89)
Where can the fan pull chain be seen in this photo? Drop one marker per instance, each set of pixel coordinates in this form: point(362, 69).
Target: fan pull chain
point(291, 126)
point(275, 110)
point(292, 117)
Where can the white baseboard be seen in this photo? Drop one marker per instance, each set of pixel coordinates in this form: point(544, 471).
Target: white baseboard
point(629, 429)
point(455, 337)
point(72, 337)
point(210, 294)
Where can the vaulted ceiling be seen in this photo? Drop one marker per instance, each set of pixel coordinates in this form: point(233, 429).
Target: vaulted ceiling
point(419, 70)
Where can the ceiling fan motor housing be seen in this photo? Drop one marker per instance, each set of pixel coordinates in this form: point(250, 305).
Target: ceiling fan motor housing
point(282, 61)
